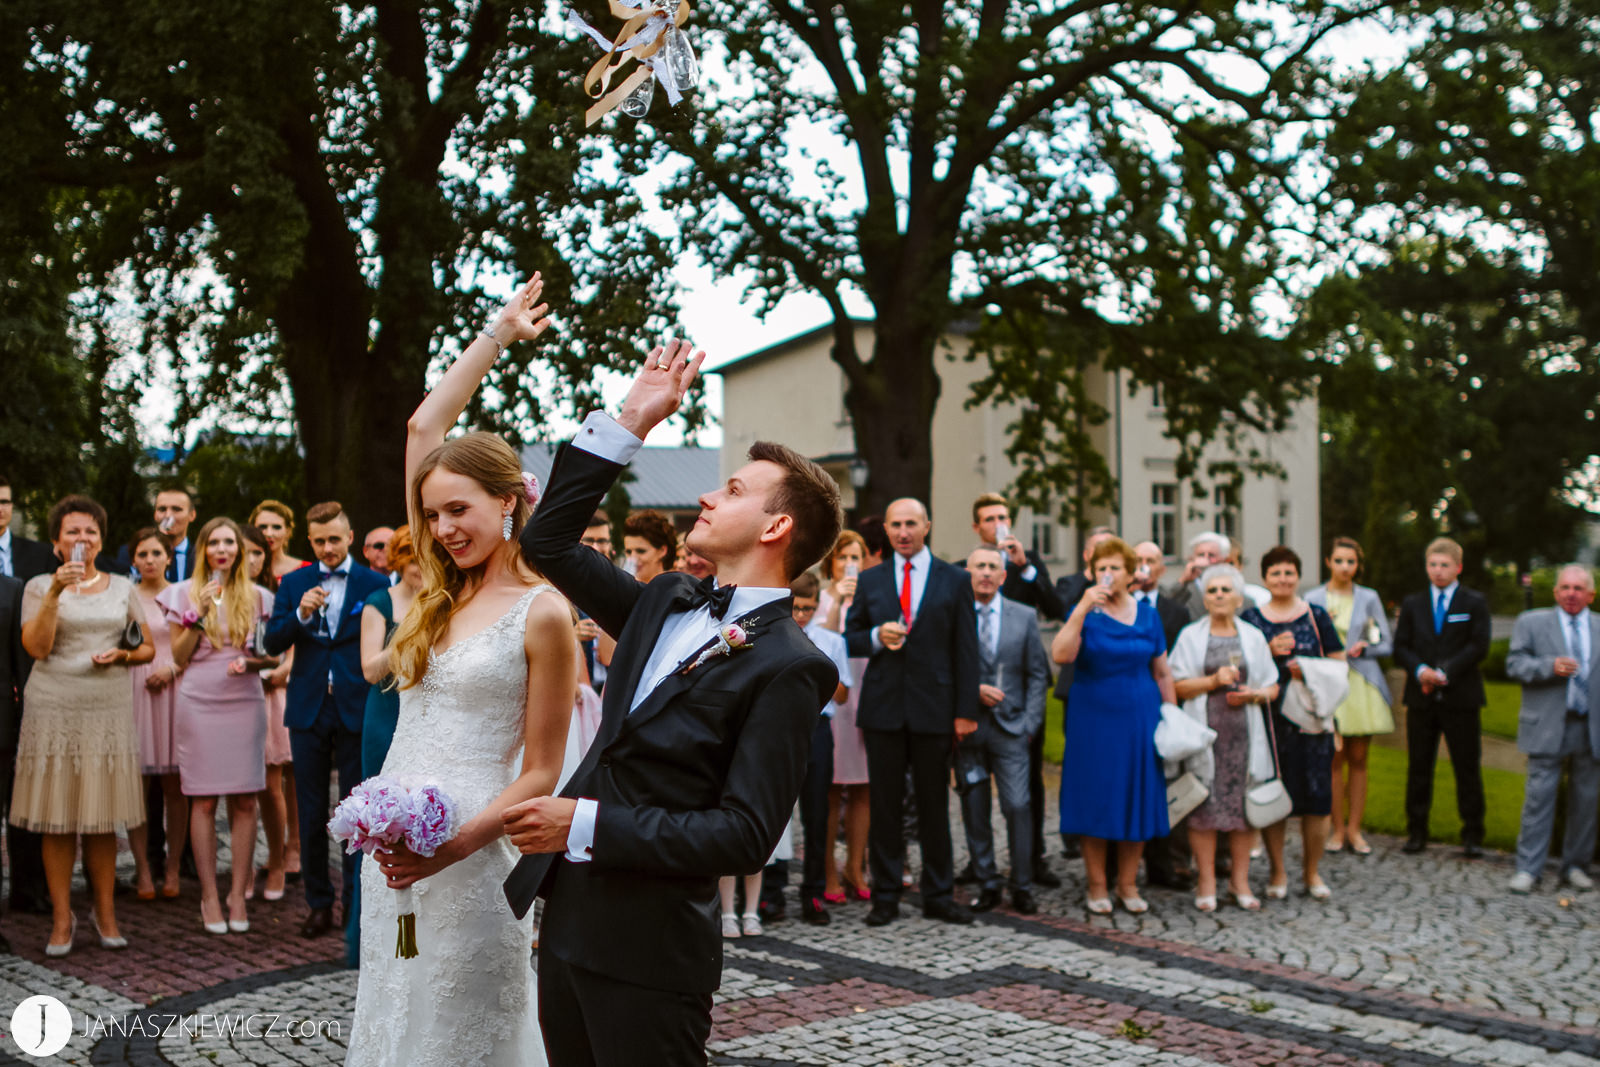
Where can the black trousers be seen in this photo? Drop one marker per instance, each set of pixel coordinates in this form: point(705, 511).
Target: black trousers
point(321, 750)
point(815, 831)
point(590, 1020)
point(1463, 735)
point(889, 754)
point(24, 848)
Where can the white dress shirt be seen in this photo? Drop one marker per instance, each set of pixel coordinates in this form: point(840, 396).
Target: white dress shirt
point(681, 633)
point(7, 565)
point(921, 564)
point(993, 606)
point(335, 582)
point(1578, 684)
point(1436, 610)
point(831, 645)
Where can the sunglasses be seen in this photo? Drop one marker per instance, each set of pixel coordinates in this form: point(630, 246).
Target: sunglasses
point(1216, 589)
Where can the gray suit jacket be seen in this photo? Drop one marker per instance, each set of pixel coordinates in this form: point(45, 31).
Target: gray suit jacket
point(1536, 641)
point(1367, 607)
point(1024, 672)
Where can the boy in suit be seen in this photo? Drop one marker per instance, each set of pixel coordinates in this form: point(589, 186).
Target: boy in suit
point(1442, 636)
point(317, 612)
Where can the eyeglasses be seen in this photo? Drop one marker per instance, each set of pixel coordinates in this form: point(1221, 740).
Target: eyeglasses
point(595, 542)
point(1218, 590)
point(6, 503)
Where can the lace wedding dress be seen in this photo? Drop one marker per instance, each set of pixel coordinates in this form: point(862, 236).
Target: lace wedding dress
point(469, 995)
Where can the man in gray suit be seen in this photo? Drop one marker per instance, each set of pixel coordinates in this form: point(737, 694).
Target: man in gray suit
point(1013, 675)
point(1553, 655)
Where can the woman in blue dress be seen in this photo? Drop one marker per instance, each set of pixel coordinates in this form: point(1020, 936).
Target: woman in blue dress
point(1112, 785)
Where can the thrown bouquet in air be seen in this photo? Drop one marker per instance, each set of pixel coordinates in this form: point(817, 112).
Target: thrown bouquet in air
point(381, 812)
point(652, 36)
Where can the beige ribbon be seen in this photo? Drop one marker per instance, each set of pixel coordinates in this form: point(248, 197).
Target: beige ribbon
point(597, 83)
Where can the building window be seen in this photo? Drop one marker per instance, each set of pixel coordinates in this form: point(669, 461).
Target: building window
point(1157, 399)
point(1226, 502)
point(1283, 522)
point(1044, 537)
point(1164, 517)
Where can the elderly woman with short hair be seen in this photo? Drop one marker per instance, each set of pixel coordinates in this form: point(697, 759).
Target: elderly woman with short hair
point(1212, 661)
point(1112, 787)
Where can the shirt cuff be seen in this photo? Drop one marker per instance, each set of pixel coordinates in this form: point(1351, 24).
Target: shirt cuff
point(877, 642)
point(603, 436)
point(1029, 573)
point(305, 620)
point(1420, 668)
point(580, 835)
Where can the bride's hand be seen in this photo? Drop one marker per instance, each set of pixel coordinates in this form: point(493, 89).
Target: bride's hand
point(523, 318)
point(402, 867)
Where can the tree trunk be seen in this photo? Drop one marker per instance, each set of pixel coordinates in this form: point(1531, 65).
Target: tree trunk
point(891, 401)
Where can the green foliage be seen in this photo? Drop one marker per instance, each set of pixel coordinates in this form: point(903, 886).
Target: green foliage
point(300, 208)
point(230, 475)
point(1386, 801)
point(1093, 180)
point(1460, 301)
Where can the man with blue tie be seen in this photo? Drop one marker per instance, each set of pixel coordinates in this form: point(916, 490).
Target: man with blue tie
point(317, 612)
point(1441, 637)
point(1552, 655)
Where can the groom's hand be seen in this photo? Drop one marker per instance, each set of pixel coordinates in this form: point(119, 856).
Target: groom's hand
point(540, 825)
point(658, 390)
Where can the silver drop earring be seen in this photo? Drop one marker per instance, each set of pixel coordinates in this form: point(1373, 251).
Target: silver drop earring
point(505, 528)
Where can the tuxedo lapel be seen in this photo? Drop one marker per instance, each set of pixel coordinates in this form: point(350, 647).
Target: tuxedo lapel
point(754, 625)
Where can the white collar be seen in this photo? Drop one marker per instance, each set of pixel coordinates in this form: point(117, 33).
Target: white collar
point(1448, 592)
point(918, 562)
point(343, 569)
point(747, 598)
point(993, 604)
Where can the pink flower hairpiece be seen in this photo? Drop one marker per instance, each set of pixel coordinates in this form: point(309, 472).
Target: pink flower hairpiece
point(530, 489)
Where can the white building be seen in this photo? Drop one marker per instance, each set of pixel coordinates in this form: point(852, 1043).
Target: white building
point(794, 393)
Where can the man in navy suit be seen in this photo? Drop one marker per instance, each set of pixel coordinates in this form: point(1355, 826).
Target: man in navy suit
point(913, 616)
point(1441, 637)
point(318, 613)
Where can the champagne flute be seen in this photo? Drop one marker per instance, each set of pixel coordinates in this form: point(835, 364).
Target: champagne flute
point(1235, 658)
point(1002, 532)
point(80, 552)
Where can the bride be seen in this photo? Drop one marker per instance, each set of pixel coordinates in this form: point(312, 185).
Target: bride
point(487, 663)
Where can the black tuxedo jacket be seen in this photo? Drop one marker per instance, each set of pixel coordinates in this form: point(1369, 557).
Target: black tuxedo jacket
point(933, 677)
point(1457, 649)
point(14, 663)
point(697, 782)
point(1039, 593)
point(1174, 617)
point(1069, 590)
point(29, 559)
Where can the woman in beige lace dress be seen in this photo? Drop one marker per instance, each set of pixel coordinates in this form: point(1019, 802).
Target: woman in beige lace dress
point(78, 753)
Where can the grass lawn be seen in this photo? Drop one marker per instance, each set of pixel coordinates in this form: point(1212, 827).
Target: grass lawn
point(1500, 715)
point(1386, 808)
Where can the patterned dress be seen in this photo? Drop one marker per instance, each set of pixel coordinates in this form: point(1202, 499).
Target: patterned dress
point(1305, 761)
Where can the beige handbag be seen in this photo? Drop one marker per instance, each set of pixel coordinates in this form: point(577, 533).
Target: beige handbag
point(1184, 794)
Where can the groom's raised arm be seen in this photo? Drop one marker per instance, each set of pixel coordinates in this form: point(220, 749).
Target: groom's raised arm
point(582, 475)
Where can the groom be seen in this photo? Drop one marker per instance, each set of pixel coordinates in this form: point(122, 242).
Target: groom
point(701, 751)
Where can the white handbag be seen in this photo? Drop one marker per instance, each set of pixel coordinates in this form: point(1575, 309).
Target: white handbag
point(1268, 802)
point(1178, 736)
point(1184, 794)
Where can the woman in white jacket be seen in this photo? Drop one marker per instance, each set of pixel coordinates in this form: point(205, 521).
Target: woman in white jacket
point(1212, 662)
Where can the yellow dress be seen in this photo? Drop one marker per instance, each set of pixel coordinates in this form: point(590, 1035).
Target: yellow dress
point(1364, 712)
point(78, 750)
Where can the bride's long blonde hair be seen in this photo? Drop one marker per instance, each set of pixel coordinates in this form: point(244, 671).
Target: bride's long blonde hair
point(490, 462)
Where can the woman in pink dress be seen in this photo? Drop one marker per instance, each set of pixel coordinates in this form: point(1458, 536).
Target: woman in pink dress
point(275, 521)
point(222, 711)
point(849, 788)
point(155, 688)
point(274, 808)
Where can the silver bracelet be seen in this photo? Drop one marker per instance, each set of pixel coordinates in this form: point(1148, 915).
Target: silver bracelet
point(499, 349)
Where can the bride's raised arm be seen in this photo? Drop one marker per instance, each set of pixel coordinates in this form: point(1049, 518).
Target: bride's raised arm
point(522, 319)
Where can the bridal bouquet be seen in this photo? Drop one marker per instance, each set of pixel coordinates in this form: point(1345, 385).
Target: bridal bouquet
point(380, 812)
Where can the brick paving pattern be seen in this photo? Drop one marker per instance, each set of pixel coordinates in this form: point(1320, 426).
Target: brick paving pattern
point(1422, 961)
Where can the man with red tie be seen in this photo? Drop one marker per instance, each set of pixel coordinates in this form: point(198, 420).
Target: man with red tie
point(913, 617)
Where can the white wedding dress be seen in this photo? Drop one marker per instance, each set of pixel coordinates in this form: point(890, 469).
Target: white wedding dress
point(469, 995)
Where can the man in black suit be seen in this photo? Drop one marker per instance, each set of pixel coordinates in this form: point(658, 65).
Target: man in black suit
point(174, 513)
point(14, 664)
point(1441, 637)
point(1069, 591)
point(1160, 868)
point(21, 559)
point(913, 616)
point(1027, 582)
point(702, 745)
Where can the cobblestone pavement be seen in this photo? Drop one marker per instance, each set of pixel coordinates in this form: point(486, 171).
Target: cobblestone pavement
point(1417, 960)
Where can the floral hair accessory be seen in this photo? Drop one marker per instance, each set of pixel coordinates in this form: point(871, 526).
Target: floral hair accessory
point(530, 489)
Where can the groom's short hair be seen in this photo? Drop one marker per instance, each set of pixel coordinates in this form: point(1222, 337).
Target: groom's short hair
point(809, 496)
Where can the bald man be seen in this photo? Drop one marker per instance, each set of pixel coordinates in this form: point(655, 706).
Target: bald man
point(913, 618)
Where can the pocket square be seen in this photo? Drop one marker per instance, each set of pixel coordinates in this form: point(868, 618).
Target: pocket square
point(1463, 617)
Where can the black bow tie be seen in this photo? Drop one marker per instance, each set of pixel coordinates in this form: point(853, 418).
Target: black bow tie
point(707, 593)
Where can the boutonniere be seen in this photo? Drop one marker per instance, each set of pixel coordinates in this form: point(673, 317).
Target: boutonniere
point(730, 638)
point(190, 620)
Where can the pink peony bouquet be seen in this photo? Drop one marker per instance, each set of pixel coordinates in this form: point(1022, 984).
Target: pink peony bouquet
point(380, 813)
